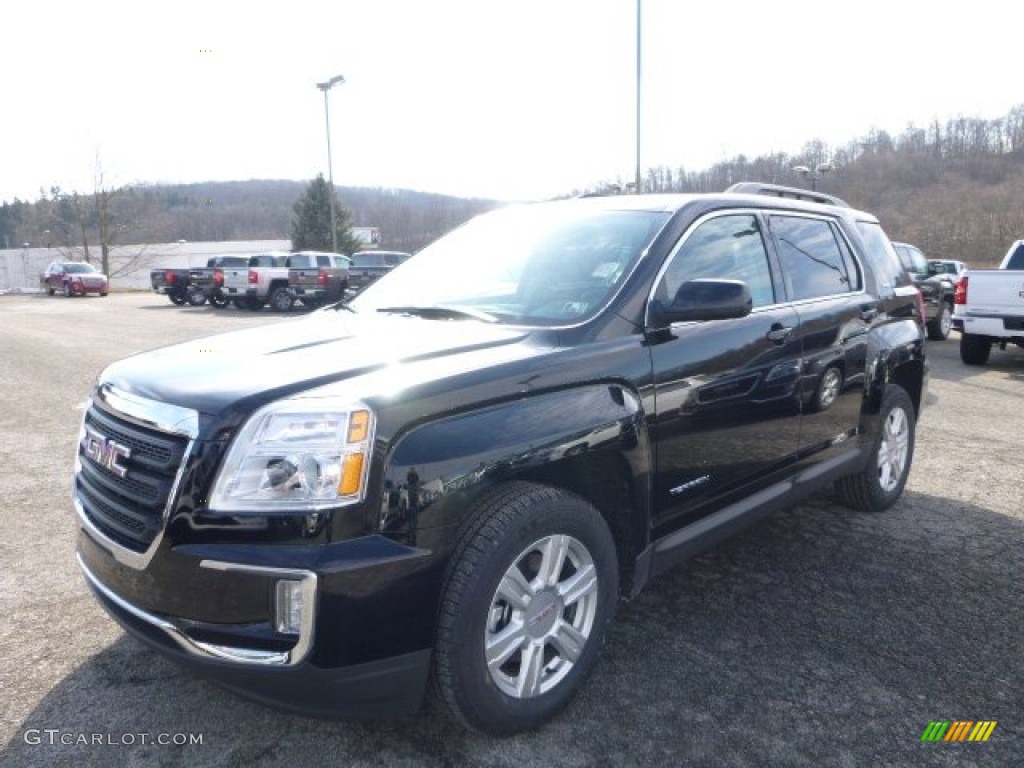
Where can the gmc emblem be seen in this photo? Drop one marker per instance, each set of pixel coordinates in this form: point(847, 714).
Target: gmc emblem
point(105, 451)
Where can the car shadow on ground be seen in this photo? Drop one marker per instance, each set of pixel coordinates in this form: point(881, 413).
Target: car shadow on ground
point(819, 637)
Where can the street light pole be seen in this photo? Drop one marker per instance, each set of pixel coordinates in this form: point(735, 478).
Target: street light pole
point(325, 87)
point(814, 173)
point(639, 62)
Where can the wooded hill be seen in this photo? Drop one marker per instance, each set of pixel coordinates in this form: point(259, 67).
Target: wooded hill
point(222, 211)
point(955, 189)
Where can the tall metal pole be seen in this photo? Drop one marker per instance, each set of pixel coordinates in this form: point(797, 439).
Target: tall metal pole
point(325, 87)
point(330, 175)
point(639, 60)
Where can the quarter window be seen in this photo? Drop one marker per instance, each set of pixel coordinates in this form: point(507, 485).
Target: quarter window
point(815, 262)
point(723, 247)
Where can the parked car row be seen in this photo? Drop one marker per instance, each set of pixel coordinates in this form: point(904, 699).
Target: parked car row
point(277, 278)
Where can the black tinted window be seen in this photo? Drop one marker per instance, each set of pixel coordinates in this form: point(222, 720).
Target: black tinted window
point(882, 256)
point(323, 260)
point(725, 247)
point(1017, 260)
point(366, 260)
point(813, 261)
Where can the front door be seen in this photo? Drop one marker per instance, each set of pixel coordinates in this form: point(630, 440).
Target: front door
point(727, 394)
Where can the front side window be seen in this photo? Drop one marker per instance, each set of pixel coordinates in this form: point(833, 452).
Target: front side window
point(815, 262)
point(729, 247)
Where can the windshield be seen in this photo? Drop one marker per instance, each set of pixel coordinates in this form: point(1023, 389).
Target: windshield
point(79, 267)
point(548, 264)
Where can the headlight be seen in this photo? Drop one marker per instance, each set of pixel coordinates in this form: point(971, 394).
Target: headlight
point(297, 455)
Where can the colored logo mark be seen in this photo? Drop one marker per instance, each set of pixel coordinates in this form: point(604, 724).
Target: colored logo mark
point(959, 730)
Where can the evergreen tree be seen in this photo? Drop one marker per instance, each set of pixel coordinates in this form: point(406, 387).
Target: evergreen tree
point(311, 224)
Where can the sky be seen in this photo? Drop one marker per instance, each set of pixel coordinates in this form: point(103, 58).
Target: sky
point(478, 98)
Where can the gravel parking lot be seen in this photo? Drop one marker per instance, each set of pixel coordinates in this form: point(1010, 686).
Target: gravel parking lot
point(819, 638)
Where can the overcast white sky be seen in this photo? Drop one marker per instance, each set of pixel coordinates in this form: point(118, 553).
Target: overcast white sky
point(511, 100)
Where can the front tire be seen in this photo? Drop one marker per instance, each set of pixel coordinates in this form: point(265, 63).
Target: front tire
point(196, 298)
point(880, 484)
point(974, 349)
point(177, 299)
point(67, 291)
point(219, 301)
point(529, 594)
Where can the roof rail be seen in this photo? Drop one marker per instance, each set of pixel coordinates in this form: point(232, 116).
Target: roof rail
point(777, 190)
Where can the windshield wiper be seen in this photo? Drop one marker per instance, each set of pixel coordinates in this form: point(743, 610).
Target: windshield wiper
point(442, 313)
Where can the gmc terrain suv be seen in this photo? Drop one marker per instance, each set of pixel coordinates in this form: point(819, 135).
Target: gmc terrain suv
point(449, 482)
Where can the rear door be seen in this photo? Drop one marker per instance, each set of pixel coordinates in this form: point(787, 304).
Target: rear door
point(825, 284)
point(727, 407)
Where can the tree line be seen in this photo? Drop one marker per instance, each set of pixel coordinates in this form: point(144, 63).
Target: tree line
point(953, 188)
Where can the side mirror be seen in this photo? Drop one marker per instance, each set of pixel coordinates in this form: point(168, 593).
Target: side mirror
point(705, 299)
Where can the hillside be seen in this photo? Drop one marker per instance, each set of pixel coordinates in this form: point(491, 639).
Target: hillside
point(955, 189)
point(223, 211)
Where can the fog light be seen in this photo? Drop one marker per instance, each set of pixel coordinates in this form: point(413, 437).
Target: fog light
point(288, 604)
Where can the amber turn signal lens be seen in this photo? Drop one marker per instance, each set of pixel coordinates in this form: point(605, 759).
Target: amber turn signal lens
point(351, 474)
point(358, 426)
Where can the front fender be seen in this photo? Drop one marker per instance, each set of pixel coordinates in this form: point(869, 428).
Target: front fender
point(590, 439)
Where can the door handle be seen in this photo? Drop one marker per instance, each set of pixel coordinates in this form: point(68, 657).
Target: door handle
point(867, 314)
point(779, 333)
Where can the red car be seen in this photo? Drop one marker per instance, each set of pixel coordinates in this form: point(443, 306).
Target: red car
point(73, 278)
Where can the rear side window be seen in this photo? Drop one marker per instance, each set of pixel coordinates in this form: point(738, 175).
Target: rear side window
point(1017, 259)
point(323, 260)
point(816, 261)
point(883, 259)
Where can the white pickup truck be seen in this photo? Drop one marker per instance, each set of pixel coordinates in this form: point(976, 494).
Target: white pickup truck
point(264, 278)
point(989, 307)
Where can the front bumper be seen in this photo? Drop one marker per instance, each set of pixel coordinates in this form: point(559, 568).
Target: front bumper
point(78, 289)
point(247, 657)
point(386, 687)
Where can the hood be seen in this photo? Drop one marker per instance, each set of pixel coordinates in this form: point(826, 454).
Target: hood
point(261, 364)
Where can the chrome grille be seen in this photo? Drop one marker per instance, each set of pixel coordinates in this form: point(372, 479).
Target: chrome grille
point(129, 510)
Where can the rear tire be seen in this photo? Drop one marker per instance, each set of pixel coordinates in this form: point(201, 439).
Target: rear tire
point(880, 483)
point(196, 298)
point(974, 349)
point(176, 299)
point(828, 390)
point(219, 301)
point(281, 300)
point(939, 328)
point(67, 291)
point(529, 593)
point(51, 290)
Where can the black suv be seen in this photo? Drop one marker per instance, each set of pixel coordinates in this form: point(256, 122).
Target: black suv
point(456, 480)
point(937, 288)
